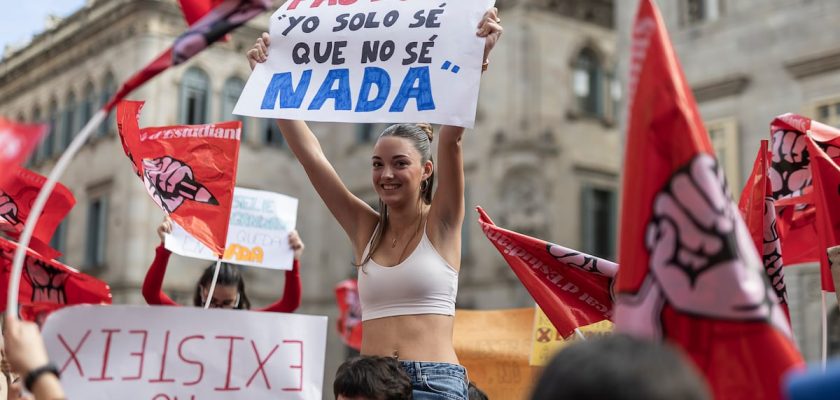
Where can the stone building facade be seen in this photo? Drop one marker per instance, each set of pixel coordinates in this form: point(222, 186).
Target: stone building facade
point(542, 159)
point(748, 61)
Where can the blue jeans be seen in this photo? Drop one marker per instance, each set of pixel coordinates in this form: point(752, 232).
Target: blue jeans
point(436, 381)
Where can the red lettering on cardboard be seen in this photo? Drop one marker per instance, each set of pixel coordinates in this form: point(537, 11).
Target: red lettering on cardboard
point(105, 355)
point(160, 378)
point(141, 354)
point(299, 366)
point(227, 386)
point(73, 353)
point(188, 361)
point(261, 364)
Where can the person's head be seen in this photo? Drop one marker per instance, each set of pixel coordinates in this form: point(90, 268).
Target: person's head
point(371, 378)
point(229, 291)
point(474, 393)
point(619, 367)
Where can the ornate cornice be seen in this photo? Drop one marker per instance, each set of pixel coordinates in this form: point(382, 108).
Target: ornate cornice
point(724, 87)
point(814, 65)
point(598, 12)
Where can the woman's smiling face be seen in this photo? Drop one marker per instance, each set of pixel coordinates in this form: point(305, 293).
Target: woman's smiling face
point(397, 171)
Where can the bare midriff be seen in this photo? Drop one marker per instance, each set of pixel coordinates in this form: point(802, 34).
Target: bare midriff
point(426, 337)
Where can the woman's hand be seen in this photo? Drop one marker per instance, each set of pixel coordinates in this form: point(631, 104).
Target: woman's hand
point(296, 244)
point(490, 28)
point(259, 53)
point(164, 228)
point(24, 346)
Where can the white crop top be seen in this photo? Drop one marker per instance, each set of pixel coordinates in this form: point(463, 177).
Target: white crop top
point(424, 283)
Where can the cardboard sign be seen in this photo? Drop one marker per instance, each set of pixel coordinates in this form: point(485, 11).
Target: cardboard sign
point(370, 61)
point(258, 234)
point(164, 353)
point(546, 341)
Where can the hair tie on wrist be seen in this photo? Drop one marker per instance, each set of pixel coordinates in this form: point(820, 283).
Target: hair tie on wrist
point(36, 373)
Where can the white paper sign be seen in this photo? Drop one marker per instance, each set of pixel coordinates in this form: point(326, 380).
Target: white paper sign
point(258, 232)
point(163, 353)
point(370, 61)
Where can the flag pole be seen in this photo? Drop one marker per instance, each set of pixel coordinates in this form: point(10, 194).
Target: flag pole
point(213, 284)
point(40, 202)
point(579, 334)
point(824, 330)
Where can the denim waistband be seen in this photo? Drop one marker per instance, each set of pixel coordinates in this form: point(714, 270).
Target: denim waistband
point(416, 369)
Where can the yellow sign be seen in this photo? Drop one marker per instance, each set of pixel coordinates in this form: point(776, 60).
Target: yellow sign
point(546, 341)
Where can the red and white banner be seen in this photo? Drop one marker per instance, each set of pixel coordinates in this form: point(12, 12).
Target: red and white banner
point(48, 284)
point(756, 206)
point(17, 141)
point(164, 353)
point(18, 195)
point(188, 170)
point(349, 323)
point(572, 288)
point(690, 274)
point(826, 181)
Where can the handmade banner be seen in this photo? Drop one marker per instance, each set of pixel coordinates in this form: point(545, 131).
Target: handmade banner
point(757, 208)
point(370, 61)
point(572, 287)
point(17, 141)
point(791, 182)
point(349, 322)
point(16, 198)
point(690, 273)
point(547, 341)
point(258, 232)
point(164, 353)
point(188, 170)
point(48, 282)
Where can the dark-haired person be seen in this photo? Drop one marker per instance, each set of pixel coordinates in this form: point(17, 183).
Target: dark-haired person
point(230, 286)
point(371, 378)
point(620, 367)
point(409, 253)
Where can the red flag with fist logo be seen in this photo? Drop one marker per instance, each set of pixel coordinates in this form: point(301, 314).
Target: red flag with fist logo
point(690, 274)
point(188, 170)
point(17, 141)
point(349, 323)
point(826, 180)
point(572, 288)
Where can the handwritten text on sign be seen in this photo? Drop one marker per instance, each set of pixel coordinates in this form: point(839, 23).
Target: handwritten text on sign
point(370, 61)
point(258, 232)
point(163, 353)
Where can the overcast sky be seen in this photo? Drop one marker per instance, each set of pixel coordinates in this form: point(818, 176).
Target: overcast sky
point(23, 19)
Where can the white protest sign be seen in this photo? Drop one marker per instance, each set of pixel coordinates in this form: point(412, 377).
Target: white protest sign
point(258, 232)
point(164, 353)
point(370, 61)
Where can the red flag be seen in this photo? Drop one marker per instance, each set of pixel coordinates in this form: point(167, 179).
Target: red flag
point(349, 322)
point(188, 170)
point(49, 281)
point(17, 141)
point(826, 181)
point(756, 206)
point(572, 288)
point(689, 272)
point(16, 199)
point(194, 10)
point(790, 177)
point(224, 17)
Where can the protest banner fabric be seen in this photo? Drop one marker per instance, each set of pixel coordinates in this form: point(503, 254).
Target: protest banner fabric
point(571, 287)
point(493, 345)
point(142, 353)
point(759, 213)
point(826, 181)
point(258, 232)
point(194, 10)
point(49, 282)
point(188, 170)
point(370, 61)
point(546, 341)
point(791, 182)
point(18, 141)
point(689, 272)
point(349, 322)
point(16, 198)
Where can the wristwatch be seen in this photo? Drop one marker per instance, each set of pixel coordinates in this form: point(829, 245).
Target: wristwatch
point(36, 373)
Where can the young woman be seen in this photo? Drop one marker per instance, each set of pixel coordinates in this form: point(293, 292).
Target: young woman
point(230, 286)
point(408, 254)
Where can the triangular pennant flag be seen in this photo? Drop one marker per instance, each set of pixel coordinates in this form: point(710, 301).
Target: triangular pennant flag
point(188, 170)
point(689, 272)
point(572, 288)
point(17, 141)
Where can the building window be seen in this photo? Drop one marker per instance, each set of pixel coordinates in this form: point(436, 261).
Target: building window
point(230, 95)
point(724, 136)
point(598, 222)
point(109, 88)
point(59, 240)
point(53, 134)
point(87, 105)
point(96, 232)
point(68, 124)
point(694, 12)
point(195, 95)
point(587, 83)
point(365, 133)
point(271, 134)
point(828, 112)
point(37, 118)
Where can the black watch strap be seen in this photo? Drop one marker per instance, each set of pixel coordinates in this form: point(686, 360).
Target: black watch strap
point(36, 373)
